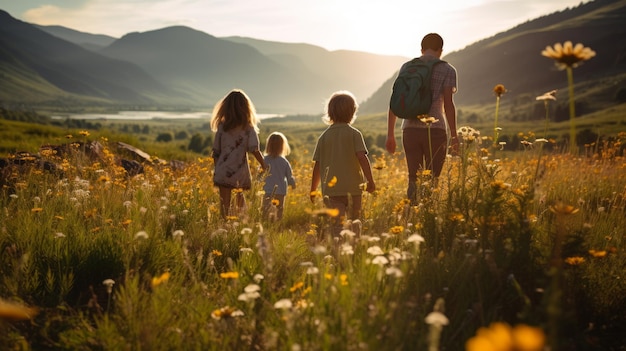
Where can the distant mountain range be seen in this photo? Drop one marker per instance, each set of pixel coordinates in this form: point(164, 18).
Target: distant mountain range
point(179, 67)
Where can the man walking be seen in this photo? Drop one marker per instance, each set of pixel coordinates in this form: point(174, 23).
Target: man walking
point(426, 140)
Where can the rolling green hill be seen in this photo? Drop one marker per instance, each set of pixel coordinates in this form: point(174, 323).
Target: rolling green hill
point(513, 58)
point(206, 68)
point(40, 66)
point(88, 41)
point(179, 67)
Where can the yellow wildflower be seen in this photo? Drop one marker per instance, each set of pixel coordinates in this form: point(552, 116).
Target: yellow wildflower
point(156, 281)
point(499, 90)
point(563, 209)
point(330, 212)
point(296, 286)
point(225, 312)
point(599, 254)
point(528, 338)
point(501, 336)
point(15, 311)
point(396, 229)
point(574, 261)
point(229, 275)
point(332, 182)
point(429, 120)
point(568, 55)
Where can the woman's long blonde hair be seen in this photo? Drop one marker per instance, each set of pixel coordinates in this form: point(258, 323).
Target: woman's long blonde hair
point(234, 110)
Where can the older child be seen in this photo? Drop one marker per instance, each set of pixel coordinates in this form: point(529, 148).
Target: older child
point(234, 122)
point(341, 160)
point(279, 175)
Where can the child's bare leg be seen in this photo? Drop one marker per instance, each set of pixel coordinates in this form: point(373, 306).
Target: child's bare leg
point(356, 215)
point(225, 201)
point(240, 202)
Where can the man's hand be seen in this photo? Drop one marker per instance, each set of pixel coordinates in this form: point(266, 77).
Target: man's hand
point(390, 145)
point(454, 146)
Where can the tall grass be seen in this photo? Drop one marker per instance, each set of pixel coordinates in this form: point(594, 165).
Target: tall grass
point(145, 262)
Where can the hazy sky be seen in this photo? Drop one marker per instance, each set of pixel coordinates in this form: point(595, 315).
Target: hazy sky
point(392, 27)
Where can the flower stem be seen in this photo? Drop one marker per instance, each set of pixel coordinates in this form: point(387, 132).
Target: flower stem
point(430, 148)
point(545, 128)
point(572, 111)
point(495, 127)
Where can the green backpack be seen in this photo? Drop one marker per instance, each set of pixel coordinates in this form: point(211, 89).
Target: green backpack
point(411, 95)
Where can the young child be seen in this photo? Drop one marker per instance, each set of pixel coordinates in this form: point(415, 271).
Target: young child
point(279, 176)
point(234, 122)
point(341, 160)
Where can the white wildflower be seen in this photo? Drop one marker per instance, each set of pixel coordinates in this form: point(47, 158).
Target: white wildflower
point(312, 270)
point(142, 234)
point(283, 304)
point(380, 260)
point(109, 284)
point(375, 250)
point(394, 271)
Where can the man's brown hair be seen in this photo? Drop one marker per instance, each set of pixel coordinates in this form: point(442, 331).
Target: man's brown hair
point(432, 41)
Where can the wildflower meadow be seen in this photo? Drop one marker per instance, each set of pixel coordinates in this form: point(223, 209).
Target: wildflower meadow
point(520, 251)
point(96, 259)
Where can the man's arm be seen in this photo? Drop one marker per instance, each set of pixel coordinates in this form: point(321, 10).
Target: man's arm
point(390, 143)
